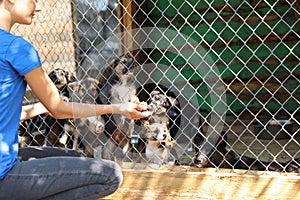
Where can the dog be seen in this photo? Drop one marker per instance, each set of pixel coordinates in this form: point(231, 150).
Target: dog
point(158, 141)
point(87, 130)
point(220, 157)
point(118, 72)
point(31, 131)
point(158, 144)
point(124, 90)
point(44, 129)
point(162, 103)
point(117, 86)
point(55, 130)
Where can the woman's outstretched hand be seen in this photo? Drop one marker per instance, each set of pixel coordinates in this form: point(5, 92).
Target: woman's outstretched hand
point(132, 110)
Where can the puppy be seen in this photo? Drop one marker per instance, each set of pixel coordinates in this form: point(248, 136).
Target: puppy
point(163, 105)
point(159, 142)
point(117, 85)
point(220, 157)
point(55, 131)
point(118, 72)
point(124, 90)
point(44, 129)
point(87, 130)
point(31, 131)
point(61, 78)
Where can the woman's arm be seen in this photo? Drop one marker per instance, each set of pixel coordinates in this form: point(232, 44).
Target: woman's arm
point(32, 110)
point(48, 95)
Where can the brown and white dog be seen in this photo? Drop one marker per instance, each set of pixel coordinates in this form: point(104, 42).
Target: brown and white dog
point(159, 144)
point(117, 85)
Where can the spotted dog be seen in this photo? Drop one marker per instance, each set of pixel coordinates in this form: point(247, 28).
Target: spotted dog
point(117, 85)
point(159, 144)
point(55, 131)
point(44, 129)
point(219, 156)
point(87, 130)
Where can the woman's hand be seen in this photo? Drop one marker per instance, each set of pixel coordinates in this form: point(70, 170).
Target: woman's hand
point(132, 110)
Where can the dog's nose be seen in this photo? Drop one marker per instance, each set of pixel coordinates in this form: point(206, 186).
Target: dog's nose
point(164, 136)
point(201, 160)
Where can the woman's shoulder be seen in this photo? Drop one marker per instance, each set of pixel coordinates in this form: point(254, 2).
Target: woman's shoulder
point(10, 40)
point(4, 35)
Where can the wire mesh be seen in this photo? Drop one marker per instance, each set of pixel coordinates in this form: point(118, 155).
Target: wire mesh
point(221, 78)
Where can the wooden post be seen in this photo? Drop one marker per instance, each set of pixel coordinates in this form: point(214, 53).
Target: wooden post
point(75, 32)
point(130, 18)
point(126, 10)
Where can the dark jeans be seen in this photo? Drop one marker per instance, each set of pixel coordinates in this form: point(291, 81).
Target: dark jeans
point(64, 175)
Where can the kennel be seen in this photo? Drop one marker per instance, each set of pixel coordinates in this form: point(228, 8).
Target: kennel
point(230, 63)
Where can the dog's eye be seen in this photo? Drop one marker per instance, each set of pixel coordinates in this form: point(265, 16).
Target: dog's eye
point(156, 98)
point(125, 70)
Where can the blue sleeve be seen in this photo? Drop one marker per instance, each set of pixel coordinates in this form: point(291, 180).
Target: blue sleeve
point(22, 56)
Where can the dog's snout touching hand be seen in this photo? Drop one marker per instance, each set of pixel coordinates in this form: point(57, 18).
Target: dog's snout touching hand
point(143, 107)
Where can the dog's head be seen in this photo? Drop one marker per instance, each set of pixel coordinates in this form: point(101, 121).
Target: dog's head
point(157, 132)
point(124, 65)
point(88, 90)
point(61, 77)
point(120, 68)
point(161, 107)
point(208, 152)
point(161, 102)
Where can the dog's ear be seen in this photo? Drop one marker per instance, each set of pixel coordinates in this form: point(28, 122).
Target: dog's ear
point(107, 72)
point(170, 102)
point(71, 77)
point(198, 139)
point(52, 75)
point(114, 63)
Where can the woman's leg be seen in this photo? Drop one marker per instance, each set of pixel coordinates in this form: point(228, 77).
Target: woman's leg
point(27, 153)
point(61, 178)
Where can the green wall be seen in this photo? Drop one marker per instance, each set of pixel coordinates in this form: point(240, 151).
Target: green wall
point(254, 46)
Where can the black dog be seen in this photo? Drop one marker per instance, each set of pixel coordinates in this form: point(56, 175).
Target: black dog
point(219, 157)
point(31, 131)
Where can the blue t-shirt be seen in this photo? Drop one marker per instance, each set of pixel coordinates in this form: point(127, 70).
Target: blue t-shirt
point(17, 58)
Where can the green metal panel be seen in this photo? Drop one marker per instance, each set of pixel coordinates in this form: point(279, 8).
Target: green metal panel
point(245, 39)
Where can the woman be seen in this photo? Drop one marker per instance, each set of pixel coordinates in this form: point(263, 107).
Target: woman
point(50, 177)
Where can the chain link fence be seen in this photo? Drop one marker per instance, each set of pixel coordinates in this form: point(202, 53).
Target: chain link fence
point(221, 79)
